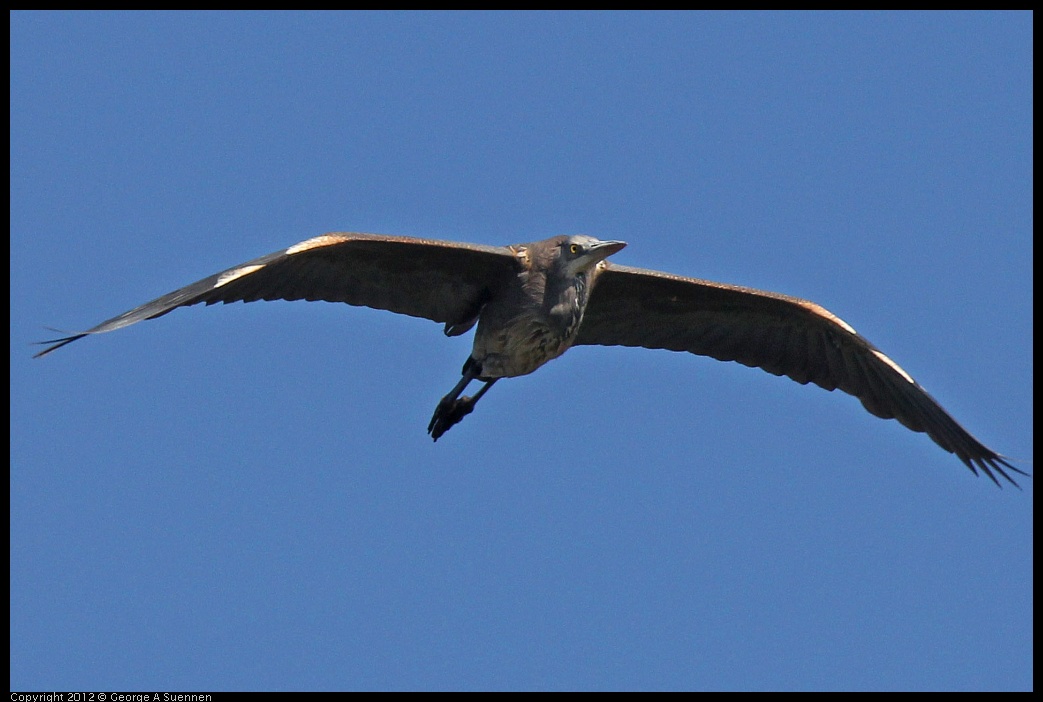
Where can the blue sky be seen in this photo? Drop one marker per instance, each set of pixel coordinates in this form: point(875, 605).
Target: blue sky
point(244, 497)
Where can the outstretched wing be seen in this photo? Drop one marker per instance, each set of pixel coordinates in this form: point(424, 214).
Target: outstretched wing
point(781, 334)
point(439, 280)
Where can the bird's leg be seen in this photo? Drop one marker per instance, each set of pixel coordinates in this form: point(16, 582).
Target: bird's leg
point(452, 408)
point(446, 416)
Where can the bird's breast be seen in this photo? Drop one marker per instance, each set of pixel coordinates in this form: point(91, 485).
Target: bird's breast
point(518, 348)
point(523, 329)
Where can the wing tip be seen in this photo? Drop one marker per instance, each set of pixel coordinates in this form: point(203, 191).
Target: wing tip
point(993, 463)
point(56, 344)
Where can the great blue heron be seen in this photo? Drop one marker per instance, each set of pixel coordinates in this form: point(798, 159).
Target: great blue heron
point(531, 302)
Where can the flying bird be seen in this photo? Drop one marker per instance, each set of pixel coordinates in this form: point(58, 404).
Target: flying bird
point(531, 302)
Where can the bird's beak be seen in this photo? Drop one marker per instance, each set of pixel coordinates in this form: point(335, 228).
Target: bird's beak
point(603, 249)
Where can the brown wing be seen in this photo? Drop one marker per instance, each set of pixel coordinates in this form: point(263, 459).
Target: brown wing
point(781, 334)
point(439, 280)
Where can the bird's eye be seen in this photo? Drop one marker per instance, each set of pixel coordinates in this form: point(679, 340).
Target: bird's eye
point(574, 249)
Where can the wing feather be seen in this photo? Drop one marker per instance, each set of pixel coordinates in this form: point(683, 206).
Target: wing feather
point(781, 334)
point(438, 280)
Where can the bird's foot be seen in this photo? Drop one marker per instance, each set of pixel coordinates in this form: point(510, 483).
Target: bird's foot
point(449, 412)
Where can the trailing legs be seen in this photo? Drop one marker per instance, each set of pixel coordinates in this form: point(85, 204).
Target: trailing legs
point(452, 408)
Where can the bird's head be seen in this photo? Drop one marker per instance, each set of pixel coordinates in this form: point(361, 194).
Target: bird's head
point(580, 253)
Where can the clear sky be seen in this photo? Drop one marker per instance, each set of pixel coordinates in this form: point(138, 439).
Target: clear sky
point(244, 496)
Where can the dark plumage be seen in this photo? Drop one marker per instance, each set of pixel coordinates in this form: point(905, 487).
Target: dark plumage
point(531, 302)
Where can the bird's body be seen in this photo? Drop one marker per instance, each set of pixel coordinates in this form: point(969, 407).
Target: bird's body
point(529, 318)
point(532, 302)
point(535, 316)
